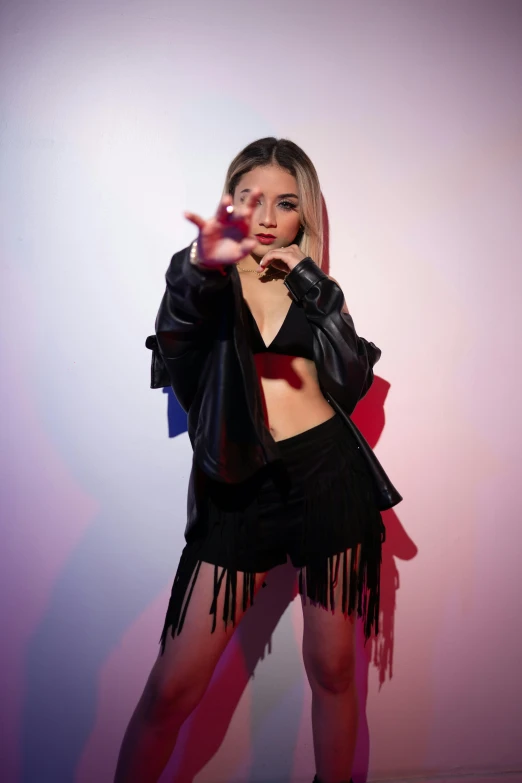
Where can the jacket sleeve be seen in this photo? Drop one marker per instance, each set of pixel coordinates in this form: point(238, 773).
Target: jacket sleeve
point(344, 360)
point(184, 324)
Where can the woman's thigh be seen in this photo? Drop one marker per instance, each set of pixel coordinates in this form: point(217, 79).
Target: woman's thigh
point(190, 657)
point(329, 640)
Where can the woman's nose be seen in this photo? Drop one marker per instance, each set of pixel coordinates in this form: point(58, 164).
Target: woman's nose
point(267, 215)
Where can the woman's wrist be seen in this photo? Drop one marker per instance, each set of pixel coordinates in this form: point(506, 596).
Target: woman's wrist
point(196, 261)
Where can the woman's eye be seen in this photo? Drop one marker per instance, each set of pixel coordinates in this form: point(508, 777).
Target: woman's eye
point(284, 204)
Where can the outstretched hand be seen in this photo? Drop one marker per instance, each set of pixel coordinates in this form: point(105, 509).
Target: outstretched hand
point(224, 238)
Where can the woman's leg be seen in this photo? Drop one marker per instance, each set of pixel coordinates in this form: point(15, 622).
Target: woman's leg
point(329, 659)
point(177, 682)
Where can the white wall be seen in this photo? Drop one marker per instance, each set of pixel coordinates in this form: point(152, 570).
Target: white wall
point(119, 115)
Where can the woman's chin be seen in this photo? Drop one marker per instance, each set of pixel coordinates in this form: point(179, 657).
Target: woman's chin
point(258, 252)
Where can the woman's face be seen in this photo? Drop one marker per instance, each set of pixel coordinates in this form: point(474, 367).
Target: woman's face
point(277, 212)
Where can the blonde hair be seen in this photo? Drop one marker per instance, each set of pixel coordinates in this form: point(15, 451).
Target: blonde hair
point(287, 155)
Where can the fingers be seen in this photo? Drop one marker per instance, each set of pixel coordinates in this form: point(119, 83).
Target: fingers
point(243, 211)
point(226, 210)
point(271, 255)
point(222, 213)
point(246, 246)
point(196, 219)
point(251, 200)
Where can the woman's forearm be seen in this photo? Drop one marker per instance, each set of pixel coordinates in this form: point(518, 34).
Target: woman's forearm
point(188, 303)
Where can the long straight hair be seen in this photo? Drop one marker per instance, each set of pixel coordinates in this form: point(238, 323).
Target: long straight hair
point(287, 155)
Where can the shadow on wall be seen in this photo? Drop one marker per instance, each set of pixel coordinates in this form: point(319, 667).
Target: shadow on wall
point(117, 570)
point(177, 418)
point(90, 610)
point(370, 419)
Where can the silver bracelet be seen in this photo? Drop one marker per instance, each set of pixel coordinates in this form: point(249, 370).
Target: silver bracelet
point(193, 253)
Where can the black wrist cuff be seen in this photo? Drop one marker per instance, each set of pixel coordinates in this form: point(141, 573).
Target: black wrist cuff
point(303, 276)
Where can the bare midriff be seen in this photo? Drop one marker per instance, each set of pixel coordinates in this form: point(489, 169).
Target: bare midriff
point(292, 399)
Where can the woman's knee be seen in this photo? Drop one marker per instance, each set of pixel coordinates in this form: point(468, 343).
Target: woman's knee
point(171, 700)
point(329, 645)
point(185, 666)
point(330, 671)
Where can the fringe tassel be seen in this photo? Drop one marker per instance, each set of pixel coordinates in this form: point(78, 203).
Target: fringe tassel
point(361, 588)
point(188, 568)
point(327, 511)
point(230, 601)
point(187, 574)
point(342, 500)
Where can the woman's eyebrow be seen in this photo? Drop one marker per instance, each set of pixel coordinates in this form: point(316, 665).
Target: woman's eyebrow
point(281, 195)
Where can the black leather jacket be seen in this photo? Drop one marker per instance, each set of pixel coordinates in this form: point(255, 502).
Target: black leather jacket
point(201, 350)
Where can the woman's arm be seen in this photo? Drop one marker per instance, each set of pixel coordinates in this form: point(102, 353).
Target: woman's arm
point(344, 360)
point(188, 304)
point(195, 280)
point(196, 284)
point(184, 322)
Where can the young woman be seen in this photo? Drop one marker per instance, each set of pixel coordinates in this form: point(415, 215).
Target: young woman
point(260, 350)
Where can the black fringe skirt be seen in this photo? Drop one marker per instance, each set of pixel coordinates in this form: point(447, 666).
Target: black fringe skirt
point(313, 505)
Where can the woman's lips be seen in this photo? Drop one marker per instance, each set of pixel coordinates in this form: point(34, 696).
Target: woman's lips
point(264, 240)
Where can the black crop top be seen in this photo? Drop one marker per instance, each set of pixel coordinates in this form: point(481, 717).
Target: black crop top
point(294, 338)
